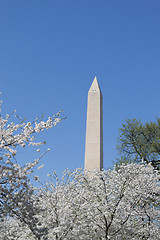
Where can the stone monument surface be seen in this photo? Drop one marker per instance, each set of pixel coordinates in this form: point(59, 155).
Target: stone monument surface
point(94, 129)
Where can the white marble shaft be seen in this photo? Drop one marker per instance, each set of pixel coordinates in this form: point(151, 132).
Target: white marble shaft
point(94, 129)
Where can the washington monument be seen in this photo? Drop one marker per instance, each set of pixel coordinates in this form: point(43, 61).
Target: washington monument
point(94, 129)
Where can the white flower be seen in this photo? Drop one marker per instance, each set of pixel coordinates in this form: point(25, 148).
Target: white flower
point(40, 166)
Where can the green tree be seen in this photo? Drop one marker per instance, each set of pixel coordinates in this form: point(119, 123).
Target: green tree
point(139, 142)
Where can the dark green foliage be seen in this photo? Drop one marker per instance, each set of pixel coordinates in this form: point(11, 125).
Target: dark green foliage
point(139, 142)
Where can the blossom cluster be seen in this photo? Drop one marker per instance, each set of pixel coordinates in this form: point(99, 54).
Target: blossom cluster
point(21, 134)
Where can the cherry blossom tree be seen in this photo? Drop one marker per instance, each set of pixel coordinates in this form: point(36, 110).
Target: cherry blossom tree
point(56, 204)
point(114, 204)
point(123, 203)
point(15, 188)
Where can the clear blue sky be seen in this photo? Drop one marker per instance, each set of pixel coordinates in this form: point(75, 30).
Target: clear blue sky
point(51, 50)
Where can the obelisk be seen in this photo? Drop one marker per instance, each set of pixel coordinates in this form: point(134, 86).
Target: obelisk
point(94, 129)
